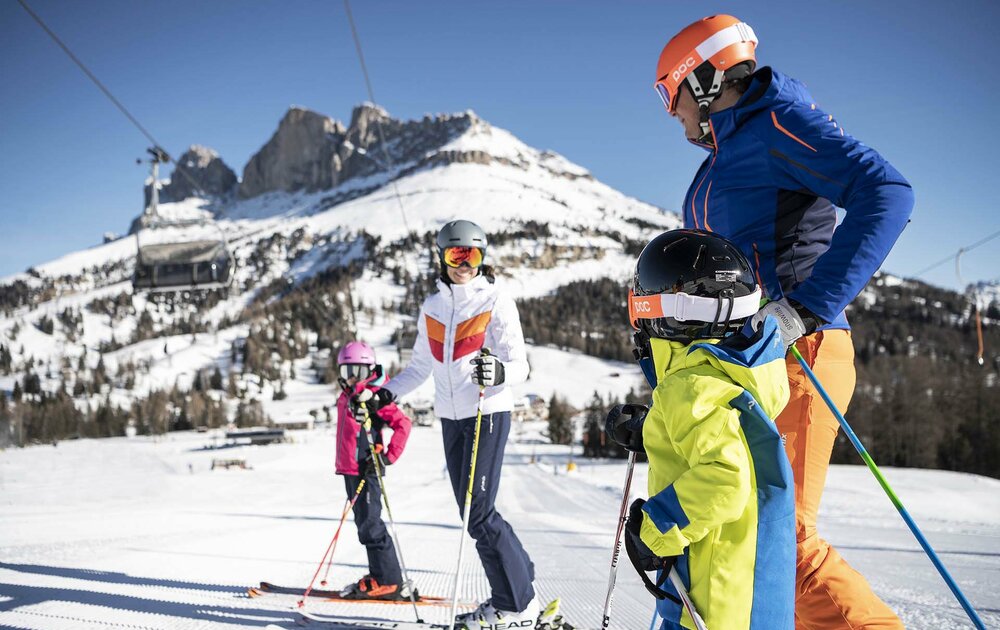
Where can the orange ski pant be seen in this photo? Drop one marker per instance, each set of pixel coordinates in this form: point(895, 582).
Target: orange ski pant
point(830, 595)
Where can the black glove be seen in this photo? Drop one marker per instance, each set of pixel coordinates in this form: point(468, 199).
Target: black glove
point(373, 401)
point(488, 370)
point(366, 466)
point(642, 557)
point(624, 426)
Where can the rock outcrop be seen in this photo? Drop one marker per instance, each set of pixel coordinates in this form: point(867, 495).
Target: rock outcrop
point(200, 172)
point(312, 152)
point(301, 155)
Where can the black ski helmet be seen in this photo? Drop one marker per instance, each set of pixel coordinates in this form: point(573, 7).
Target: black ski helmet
point(692, 284)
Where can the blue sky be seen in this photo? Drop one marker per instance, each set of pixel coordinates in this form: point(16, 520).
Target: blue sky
point(915, 80)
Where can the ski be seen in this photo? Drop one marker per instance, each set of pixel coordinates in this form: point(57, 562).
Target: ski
point(549, 619)
point(369, 624)
point(267, 588)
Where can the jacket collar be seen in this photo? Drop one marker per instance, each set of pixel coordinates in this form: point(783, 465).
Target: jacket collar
point(768, 87)
point(464, 291)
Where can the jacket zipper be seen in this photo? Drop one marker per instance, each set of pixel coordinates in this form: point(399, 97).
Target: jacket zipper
point(450, 339)
point(694, 197)
point(756, 256)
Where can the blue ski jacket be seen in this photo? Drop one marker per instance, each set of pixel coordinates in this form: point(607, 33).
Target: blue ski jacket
point(779, 167)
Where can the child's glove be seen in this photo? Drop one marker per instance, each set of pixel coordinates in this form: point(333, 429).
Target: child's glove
point(488, 370)
point(366, 467)
point(648, 561)
point(643, 558)
point(624, 426)
point(373, 401)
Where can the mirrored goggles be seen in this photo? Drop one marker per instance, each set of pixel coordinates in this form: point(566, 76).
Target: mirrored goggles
point(665, 96)
point(355, 370)
point(458, 256)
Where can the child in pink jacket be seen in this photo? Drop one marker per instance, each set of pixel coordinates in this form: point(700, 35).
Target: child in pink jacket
point(358, 371)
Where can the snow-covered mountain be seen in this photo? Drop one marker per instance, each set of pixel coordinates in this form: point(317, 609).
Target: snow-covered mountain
point(318, 197)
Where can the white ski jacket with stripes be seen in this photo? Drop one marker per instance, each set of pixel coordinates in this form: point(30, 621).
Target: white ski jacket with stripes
point(453, 325)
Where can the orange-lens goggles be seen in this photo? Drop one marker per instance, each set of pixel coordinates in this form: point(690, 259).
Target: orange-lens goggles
point(458, 256)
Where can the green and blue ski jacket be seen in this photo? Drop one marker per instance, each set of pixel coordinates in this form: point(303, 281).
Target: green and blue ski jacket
point(720, 485)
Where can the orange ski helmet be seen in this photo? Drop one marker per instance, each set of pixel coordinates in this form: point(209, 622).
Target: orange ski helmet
point(722, 41)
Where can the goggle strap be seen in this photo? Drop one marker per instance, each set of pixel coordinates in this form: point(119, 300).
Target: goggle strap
point(684, 307)
point(735, 34)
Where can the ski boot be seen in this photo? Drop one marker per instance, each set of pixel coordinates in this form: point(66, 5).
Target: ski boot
point(488, 617)
point(368, 588)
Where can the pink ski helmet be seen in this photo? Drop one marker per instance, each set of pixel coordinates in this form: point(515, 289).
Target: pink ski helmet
point(356, 352)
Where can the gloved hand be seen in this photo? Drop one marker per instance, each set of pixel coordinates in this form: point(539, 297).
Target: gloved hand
point(642, 556)
point(624, 426)
point(794, 320)
point(366, 467)
point(373, 400)
point(488, 370)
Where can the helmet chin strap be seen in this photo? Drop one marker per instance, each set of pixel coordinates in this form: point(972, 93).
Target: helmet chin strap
point(705, 98)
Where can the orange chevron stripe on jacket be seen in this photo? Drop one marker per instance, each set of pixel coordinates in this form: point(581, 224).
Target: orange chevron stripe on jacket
point(471, 334)
point(435, 337)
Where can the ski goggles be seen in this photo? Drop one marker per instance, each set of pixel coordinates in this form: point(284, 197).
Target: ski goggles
point(458, 256)
point(355, 370)
point(665, 95)
point(684, 307)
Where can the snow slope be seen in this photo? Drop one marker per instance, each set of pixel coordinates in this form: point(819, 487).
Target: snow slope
point(140, 533)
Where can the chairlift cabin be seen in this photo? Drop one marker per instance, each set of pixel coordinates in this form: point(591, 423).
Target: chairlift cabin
point(174, 261)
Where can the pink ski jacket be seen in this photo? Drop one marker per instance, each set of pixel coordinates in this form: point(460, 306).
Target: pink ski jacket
point(348, 428)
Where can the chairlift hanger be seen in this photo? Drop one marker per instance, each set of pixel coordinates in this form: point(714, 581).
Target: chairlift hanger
point(191, 265)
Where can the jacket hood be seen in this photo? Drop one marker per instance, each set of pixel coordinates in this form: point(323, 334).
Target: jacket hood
point(768, 90)
point(756, 362)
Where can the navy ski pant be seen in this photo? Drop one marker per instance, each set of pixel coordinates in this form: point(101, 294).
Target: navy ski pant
point(508, 567)
point(382, 562)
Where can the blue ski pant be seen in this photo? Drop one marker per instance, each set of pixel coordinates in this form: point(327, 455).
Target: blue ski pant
point(382, 562)
point(508, 567)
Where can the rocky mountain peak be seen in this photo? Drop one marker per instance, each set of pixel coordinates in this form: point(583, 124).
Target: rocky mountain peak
point(302, 154)
point(199, 172)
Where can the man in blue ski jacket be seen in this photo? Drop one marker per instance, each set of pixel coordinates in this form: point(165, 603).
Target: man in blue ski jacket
point(778, 168)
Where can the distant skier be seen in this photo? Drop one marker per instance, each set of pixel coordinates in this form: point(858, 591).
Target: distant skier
point(778, 166)
point(721, 508)
point(359, 372)
point(470, 312)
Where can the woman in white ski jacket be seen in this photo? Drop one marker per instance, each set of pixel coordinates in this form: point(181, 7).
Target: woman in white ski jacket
point(467, 315)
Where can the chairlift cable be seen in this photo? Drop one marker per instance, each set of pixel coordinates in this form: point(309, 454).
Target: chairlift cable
point(961, 250)
point(107, 92)
point(378, 122)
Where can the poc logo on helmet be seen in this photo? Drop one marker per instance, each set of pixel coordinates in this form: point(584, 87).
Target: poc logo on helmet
point(688, 64)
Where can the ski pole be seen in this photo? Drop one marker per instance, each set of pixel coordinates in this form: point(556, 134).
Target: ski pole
point(467, 508)
point(652, 622)
point(332, 546)
point(675, 579)
point(616, 552)
point(969, 610)
point(348, 506)
point(388, 510)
